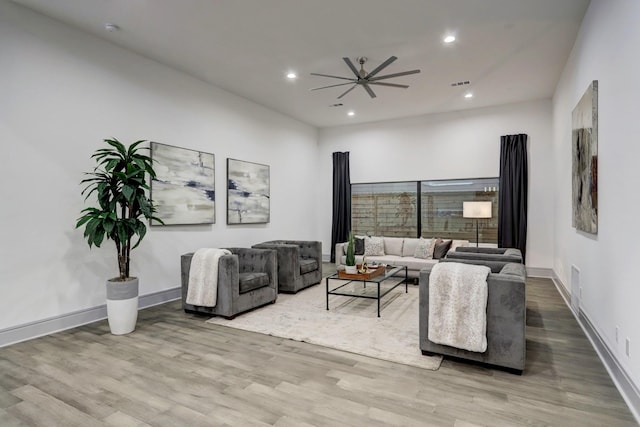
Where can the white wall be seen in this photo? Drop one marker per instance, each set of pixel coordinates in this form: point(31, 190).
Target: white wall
point(446, 146)
point(606, 50)
point(62, 92)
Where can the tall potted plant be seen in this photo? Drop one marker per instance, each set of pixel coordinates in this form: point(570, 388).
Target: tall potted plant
point(119, 182)
point(350, 260)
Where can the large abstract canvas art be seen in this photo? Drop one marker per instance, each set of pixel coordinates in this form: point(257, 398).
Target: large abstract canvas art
point(184, 187)
point(247, 192)
point(584, 138)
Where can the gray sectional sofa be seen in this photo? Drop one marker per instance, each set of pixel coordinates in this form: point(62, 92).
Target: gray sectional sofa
point(506, 318)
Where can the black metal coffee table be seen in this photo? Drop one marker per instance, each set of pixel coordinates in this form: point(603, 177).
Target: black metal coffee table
point(373, 292)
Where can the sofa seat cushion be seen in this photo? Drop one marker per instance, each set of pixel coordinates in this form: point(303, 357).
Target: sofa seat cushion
point(414, 263)
point(252, 281)
point(308, 265)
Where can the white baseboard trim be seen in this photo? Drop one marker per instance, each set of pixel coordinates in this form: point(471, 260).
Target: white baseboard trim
point(539, 272)
point(620, 378)
point(74, 319)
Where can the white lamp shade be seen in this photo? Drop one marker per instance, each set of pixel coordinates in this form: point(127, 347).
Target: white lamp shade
point(476, 209)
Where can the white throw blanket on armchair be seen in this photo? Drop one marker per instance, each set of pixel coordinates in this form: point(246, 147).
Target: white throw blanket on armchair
point(458, 305)
point(203, 277)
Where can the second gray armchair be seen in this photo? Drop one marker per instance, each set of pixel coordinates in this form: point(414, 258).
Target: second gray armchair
point(299, 263)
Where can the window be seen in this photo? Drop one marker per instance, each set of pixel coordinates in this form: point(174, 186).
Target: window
point(441, 209)
point(385, 209)
point(424, 208)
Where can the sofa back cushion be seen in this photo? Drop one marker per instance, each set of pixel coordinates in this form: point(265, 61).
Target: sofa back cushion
point(409, 246)
point(307, 265)
point(393, 245)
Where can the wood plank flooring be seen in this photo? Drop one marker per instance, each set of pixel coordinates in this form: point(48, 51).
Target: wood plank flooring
point(177, 370)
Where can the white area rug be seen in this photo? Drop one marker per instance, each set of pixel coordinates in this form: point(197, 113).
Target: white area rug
point(351, 324)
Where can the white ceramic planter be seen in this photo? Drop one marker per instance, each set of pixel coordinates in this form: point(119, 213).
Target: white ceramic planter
point(351, 269)
point(122, 305)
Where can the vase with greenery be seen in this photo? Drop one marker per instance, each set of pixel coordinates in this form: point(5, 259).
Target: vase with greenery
point(350, 261)
point(119, 182)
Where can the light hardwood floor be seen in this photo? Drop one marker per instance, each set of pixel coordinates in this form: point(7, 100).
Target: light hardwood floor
point(177, 370)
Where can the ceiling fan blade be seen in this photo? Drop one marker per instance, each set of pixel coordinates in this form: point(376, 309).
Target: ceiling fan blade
point(339, 84)
point(348, 90)
point(369, 91)
point(334, 77)
point(388, 76)
point(389, 84)
point(351, 66)
point(381, 66)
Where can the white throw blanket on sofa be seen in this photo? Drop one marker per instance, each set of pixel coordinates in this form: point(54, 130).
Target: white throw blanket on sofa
point(458, 305)
point(203, 277)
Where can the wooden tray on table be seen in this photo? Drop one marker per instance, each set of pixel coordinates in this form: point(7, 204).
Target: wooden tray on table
point(369, 274)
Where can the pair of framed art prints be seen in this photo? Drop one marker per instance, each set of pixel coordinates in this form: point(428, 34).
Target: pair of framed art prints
point(184, 191)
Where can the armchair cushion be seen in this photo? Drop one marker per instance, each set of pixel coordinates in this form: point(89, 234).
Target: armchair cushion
point(308, 265)
point(251, 281)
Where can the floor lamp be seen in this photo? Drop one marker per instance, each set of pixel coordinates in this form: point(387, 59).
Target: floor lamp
point(476, 210)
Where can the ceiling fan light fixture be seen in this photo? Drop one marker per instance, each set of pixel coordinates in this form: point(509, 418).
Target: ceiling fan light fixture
point(291, 75)
point(366, 79)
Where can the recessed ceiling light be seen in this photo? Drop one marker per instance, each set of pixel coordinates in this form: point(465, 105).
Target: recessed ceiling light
point(351, 113)
point(291, 75)
point(468, 95)
point(111, 27)
point(449, 39)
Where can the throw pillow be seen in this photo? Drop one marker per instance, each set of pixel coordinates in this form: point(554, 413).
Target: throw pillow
point(441, 248)
point(373, 246)
point(358, 246)
point(424, 249)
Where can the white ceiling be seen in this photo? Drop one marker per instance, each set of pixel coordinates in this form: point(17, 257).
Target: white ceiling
point(509, 50)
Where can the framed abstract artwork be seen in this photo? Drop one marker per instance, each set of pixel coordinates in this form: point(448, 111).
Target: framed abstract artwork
point(248, 199)
point(584, 140)
point(184, 187)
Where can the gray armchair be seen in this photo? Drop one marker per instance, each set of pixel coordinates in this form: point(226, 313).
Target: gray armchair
point(246, 279)
point(299, 263)
point(503, 255)
point(506, 318)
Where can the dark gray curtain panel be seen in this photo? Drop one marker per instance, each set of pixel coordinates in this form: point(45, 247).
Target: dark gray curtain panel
point(341, 224)
point(512, 200)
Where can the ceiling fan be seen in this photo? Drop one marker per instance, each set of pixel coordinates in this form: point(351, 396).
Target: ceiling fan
point(366, 79)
